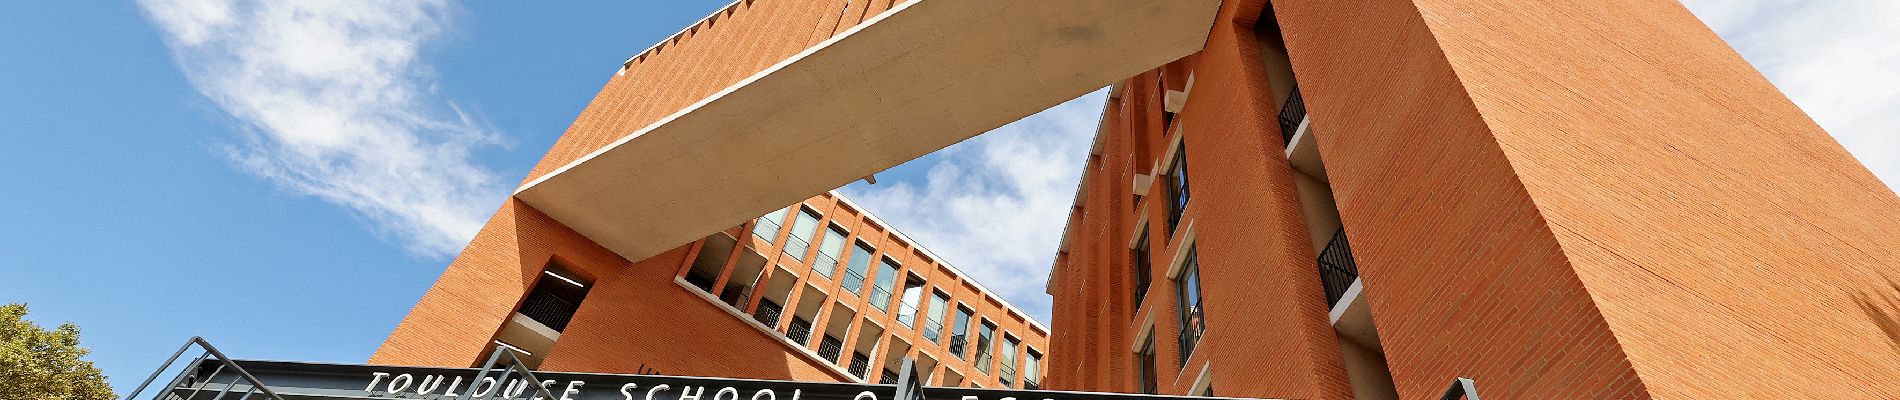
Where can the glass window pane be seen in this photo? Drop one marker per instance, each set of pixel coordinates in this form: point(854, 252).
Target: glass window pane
point(768, 225)
point(856, 268)
point(886, 279)
point(802, 229)
point(829, 251)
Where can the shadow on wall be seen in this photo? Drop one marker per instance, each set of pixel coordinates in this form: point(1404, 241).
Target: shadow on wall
point(1883, 307)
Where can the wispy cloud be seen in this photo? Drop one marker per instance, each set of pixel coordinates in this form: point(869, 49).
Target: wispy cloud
point(995, 206)
point(1837, 59)
point(331, 101)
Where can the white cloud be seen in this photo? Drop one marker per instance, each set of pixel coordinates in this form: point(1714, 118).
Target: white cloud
point(1838, 59)
point(995, 206)
point(331, 102)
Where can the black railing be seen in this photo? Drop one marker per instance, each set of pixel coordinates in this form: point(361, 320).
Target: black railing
point(1336, 267)
point(887, 378)
point(956, 344)
point(548, 309)
point(799, 332)
point(767, 313)
point(860, 364)
point(1291, 114)
point(1192, 326)
point(829, 348)
point(1461, 389)
point(1006, 373)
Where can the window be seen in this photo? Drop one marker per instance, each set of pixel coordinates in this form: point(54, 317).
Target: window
point(985, 340)
point(1006, 372)
point(1143, 270)
point(830, 347)
point(857, 268)
point(828, 252)
point(886, 278)
point(768, 313)
point(933, 321)
point(913, 296)
point(767, 226)
point(1193, 323)
point(555, 298)
point(959, 331)
point(1177, 188)
point(1032, 371)
point(1147, 369)
point(802, 229)
point(860, 364)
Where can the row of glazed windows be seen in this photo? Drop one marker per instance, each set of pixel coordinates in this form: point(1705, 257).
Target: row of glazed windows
point(910, 300)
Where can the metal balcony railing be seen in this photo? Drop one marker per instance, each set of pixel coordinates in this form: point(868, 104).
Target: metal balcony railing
point(887, 377)
point(795, 246)
point(956, 344)
point(880, 298)
point(824, 263)
point(1336, 267)
point(1291, 114)
point(766, 229)
point(1006, 373)
point(829, 348)
point(799, 332)
point(548, 309)
point(1192, 327)
point(853, 281)
point(933, 329)
point(767, 313)
point(860, 364)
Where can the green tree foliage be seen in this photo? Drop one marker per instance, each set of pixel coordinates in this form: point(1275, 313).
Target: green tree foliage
point(36, 363)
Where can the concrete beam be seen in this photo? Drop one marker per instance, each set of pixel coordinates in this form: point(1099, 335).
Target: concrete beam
point(921, 77)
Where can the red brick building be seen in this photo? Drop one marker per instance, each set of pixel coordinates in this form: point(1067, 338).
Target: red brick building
point(1551, 199)
point(819, 291)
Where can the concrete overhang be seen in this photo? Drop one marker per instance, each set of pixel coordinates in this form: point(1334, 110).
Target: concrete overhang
point(923, 76)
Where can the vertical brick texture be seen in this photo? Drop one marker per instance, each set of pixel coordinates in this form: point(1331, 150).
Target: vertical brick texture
point(1590, 200)
point(1267, 329)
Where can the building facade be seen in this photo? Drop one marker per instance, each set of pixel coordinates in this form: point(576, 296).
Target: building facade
point(818, 291)
point(1370, 199)
point(1285, 199)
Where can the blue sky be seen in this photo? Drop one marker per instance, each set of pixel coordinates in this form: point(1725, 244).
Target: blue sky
point(287, 180)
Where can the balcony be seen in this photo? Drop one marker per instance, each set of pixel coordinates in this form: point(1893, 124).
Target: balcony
point(1296, 129)
point(860, 364)
point(795, 246)
point(767, 313)
point(956, 344)
point(799, 332)
point(1345, 293)
point(823, 264)
point(830, 348)
point(880, 298)
point(548, 309)
point(1337, 270)
point(1292, 115)
point(853, 281)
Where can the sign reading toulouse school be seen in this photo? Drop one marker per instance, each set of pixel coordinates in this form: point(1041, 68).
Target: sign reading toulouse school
point(297, 380)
